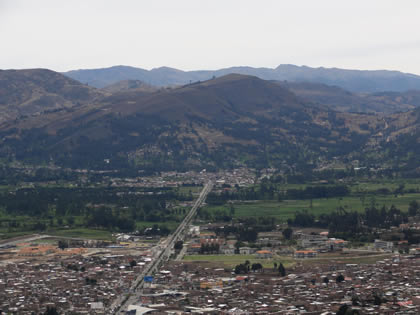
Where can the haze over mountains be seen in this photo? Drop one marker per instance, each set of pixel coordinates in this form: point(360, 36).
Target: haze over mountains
point(223, 122)
point(352, 80)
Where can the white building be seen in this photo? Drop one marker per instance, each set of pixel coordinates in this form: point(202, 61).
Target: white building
point(383, 245)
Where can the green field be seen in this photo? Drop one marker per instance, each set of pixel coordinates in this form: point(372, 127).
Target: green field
point(187, 189)
point(287, 261)
point(286, 209)
point(171, 225)
point(233, 260)
point(391, 185)
point(82, 233)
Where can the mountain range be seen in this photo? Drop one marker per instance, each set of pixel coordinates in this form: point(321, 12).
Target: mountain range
point(351, 80)
point(222, 122)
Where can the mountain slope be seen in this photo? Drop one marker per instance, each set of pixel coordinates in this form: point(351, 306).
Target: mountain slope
point(220, 123)
point(217, 123)
point(352, 80)
point(342, 100)
point(129, 85)
point(31, 92)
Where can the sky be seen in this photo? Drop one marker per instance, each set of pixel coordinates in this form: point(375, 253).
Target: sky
point(210, 34)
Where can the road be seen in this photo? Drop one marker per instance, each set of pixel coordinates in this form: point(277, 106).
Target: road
point(163, 254)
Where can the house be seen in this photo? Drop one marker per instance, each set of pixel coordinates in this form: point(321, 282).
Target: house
point(212, 241)
point(194, 248)
point(246, 250)
point(264, 254)
point(415, 251)
point(305, 254)
point(310, 241)
point(194, 230)
point(273, 238)
point(207, 235)
point(336, 244)
point(227, 249)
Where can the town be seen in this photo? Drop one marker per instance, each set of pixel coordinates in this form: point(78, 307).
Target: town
point(212, 268)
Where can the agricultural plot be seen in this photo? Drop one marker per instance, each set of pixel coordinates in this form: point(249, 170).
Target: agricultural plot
point(283, 210)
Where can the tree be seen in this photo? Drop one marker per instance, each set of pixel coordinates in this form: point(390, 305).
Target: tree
point(178, 245)
point(51, 310)
point(70, 221)
point(282, 270)
point(232, 210)
point(287, 233)
point(326, 280)
point(90, 281)
point(339, 279)
point(256, 267)
point(62, 244)
point(133, 263)
point(343, 310)
point(39, 226)
point(241, 268)
point(413, 208)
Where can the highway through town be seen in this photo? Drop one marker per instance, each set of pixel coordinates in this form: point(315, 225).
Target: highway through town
point(163, 254)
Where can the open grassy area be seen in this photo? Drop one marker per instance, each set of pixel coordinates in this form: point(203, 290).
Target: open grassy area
point(6, 235)
point(352, 259)
point(287, 261)
point(391, 185)
point(82, 233)
point(187, 189)
point(171, 225)
point(233, 260)
point(287, 208)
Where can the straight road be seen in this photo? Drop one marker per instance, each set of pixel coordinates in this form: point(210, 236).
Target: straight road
point(121, 304)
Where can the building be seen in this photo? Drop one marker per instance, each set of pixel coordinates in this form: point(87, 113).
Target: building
point(383, 245)
point(194, 231)
point(336, 244)
point(194, 248)
point(264, 254)
point(305, 254)
point(246, 250)
point(310, 241)
point(415, 251)
point(227, 249)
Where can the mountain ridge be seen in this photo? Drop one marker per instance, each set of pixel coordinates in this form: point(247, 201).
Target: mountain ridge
point(352, 80)
point(219, 123)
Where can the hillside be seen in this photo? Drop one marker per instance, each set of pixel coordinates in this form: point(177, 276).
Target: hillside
point(342, 100)
point(129, 85)
point(352, 80)
point(34, 91)
point(223, 122)
point(216, 123)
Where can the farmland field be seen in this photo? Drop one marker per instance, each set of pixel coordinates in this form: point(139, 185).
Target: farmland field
point(233, 260)
point(283, 210)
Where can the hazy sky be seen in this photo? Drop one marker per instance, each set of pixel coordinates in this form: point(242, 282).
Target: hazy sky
point(210, 34)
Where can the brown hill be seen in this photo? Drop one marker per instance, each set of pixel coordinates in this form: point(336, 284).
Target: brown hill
point(34, 91)
point(222, 122)
point(342, 100)
point(218, 121)
point(130, 85)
